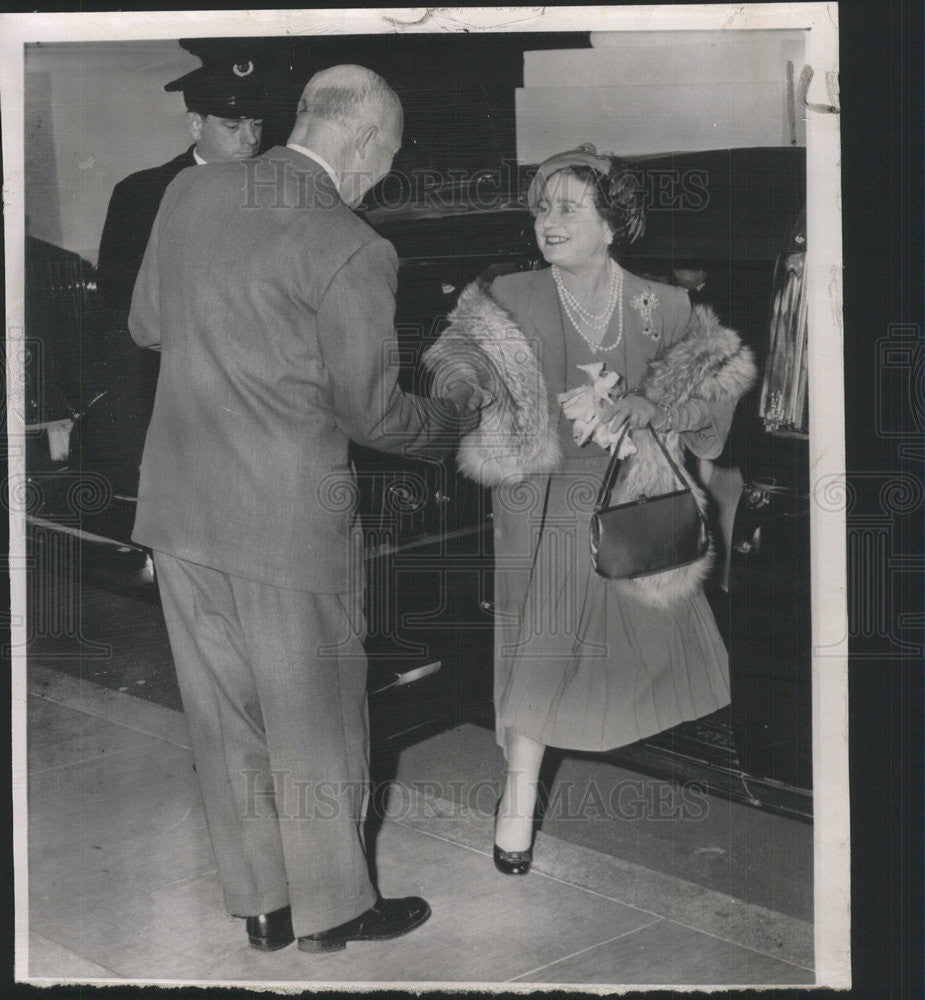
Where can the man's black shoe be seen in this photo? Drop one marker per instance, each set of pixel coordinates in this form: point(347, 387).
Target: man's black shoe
point(271, 931)
point(389, 918)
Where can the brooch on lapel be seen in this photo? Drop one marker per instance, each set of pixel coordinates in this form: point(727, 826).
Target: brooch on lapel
point(645, 304)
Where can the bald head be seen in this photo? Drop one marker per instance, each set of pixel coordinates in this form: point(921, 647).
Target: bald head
point(353, 119)
point(343, 93)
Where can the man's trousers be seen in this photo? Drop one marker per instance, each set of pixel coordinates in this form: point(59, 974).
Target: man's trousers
point(273, 684)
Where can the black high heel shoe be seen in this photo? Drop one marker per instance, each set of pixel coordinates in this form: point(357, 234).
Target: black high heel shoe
point(511, 862)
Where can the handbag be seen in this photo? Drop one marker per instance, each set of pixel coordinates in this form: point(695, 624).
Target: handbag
point(650, 534)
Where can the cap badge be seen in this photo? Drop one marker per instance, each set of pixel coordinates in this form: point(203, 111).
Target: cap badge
point(243, 68)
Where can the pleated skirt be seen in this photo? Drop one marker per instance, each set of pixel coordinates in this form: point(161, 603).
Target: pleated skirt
point(580, 664)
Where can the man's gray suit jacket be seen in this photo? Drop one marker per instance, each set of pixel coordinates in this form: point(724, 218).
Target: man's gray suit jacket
point(273, 305)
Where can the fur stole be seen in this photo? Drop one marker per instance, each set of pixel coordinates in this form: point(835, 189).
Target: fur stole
point(517, 434)
point(709, 362)
point(483, 344)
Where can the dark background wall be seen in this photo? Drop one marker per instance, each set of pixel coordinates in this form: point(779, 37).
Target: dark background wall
point(97, 111)
point(457, 89)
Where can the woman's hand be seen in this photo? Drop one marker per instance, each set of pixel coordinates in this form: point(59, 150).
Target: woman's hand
point(468, 395)
point(638, 412)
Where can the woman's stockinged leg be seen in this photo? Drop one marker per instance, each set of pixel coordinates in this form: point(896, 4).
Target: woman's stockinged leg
point(514, 824)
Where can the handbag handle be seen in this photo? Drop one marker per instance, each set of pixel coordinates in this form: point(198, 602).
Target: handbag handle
point(613, 466)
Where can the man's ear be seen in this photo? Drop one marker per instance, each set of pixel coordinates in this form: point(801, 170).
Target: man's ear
point(364, 137)
point(194, 124)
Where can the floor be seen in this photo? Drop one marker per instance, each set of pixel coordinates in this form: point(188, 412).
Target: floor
point(122, 883)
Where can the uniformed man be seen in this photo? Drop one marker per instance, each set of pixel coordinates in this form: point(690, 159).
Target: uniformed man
point(226, 100)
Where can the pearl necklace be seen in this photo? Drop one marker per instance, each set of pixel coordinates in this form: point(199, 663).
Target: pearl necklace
point(596, 322)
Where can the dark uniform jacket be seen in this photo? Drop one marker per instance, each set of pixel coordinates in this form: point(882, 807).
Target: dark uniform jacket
point(132, 210)
point(120, 379)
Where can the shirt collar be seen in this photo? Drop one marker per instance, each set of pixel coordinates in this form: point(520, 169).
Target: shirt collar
point(305, 151)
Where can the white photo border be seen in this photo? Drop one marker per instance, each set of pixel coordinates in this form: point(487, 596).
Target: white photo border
point(826, 373)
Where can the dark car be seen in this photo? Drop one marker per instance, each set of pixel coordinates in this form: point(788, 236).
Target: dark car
point(725, 217)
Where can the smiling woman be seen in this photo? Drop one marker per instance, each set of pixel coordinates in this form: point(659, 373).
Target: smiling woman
point(582, 662)
point(569, 230)
point(587, 209)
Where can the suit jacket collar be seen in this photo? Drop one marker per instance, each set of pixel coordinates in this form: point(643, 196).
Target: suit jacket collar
point(544, 301)
point(545, 319)
point(317, 157)
point(304, 165)
point(178, 163)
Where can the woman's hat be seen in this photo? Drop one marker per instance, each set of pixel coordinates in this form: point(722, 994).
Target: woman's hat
point(584, 156)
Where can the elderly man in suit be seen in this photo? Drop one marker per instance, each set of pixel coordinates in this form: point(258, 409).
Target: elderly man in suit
point(272, 304)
